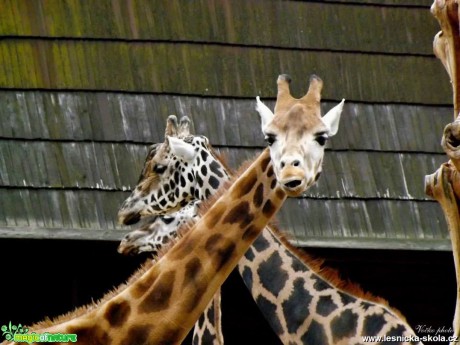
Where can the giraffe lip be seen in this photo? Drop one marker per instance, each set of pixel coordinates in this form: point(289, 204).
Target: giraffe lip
point(293, 186)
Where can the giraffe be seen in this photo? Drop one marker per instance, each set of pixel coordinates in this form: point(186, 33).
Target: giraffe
point(162, 303)
point(303, 302)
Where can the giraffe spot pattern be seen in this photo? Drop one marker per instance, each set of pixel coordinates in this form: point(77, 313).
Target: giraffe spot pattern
point(249, 255)
point(193, 276)
point(396, 331)
point(245, 185)
point(207, 337)
point(296, 307)
point(264, 163)
point(216, 169)
point(251, 233)
point(258, 195)
point(169, 336)
point(90, 335)
point(158, 297)
point(247, 277)
point(325, 306)
point(137, 335)
point(141, 286)
point(373, 324)
point(220, 250)
point(269, 310)
point(296, 264)
point(272, 276)
point(260, 244)
point(315, 335)
point(344, 325)
point(269, 209)
point(320, 284)
point(214, 182)
point(240, 214)
point(346, 298)
point(117, 313)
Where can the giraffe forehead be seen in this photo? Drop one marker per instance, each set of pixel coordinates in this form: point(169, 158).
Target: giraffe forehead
point(299, 118)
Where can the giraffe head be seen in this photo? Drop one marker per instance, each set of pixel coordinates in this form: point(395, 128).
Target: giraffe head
point(157, 231)
point(182, 168)
point(296, 134)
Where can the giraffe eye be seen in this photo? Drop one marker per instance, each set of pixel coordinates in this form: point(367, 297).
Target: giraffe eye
point(270, 139)
point(159, 168)
point(321, 139)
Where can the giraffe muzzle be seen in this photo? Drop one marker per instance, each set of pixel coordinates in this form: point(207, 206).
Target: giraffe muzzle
point(292, 180)
point(129, 218)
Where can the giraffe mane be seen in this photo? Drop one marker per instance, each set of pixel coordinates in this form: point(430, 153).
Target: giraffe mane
point(331, 275)
point(82, 310)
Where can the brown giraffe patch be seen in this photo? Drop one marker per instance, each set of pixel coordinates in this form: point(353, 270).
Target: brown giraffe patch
point(258, 197)
point(158, 297)
point(195, 281)
point(117, 313)
point(264, 163)
point(280, 194)
point(212, 241)
point(137, 335)
point(251, 233)
point(143, 284)
point(270, 171)
point(170, 337)
point(90, 335)
point(240, 214)
point(187, 245)
point(220, 249)
point(269, 209)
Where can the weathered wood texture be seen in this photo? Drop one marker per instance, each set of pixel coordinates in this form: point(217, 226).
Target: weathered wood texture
point(215, 70)
point(285, 24)
point(85, 87)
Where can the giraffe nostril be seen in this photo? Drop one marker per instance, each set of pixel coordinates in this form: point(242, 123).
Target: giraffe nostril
point(296, 163)
point(283, 165)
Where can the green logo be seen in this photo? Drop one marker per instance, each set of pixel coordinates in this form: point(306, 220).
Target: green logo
point(10, 330)
point(20, 334)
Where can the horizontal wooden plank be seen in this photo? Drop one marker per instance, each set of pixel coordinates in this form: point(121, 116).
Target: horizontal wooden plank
point(363, 223)
point(60, 209)
point(347, 174)
point(214, 70)
point(352, 220)
point(289, 24)
point(141, 118)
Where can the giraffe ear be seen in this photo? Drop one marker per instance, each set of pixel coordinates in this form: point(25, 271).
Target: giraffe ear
point(332, 118)
point(182, 149)
point(266, 115)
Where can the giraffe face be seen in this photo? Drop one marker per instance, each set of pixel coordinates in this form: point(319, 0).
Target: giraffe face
point(157, 231)
point(181, 169)
point(297, 134)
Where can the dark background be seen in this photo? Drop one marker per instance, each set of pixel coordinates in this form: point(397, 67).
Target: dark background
point(50, 277)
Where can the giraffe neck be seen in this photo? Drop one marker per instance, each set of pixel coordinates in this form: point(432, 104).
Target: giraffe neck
point(164, 303)
point(304, 307)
